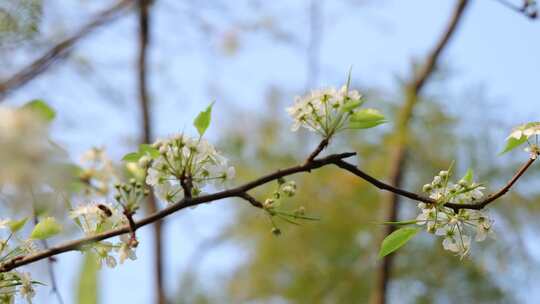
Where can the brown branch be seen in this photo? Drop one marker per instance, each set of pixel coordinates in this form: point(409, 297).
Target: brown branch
point(184, 203)
point(323, 144)
point(528, 9)
point(242, 192)
point(382, 185)
point(253, 201)
point(491, 198)
point(61, 50)
point(144, 103)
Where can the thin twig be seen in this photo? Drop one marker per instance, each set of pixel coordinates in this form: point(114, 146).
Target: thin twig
point(60, 50)
point(253, 201)
point(525, 9)
point(317, 150)
point(491, 198)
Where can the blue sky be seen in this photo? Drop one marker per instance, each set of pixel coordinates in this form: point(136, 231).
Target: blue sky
point(494, 47)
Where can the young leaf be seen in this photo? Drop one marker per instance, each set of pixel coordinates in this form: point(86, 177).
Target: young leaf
point(45, 229)
point(366, 118)
point(513, 143)
point(132, 157)
point(146, 149)
point(469, 176)
point(396, 240)
point(41, 108)
point(351, 105)
point(202, 121)
point(15, 226)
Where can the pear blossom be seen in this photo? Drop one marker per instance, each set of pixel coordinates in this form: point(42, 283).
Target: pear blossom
point(125, 250)
point(26, 290)
point(456, 227)
point(525, 130)
point(192, 161)
point(330, 110)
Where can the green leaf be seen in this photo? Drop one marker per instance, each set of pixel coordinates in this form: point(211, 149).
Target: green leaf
point(132, 157)
point(469, 176)
point(15, 226)
point(396, 240)
point(366, 118)
point(45, 229)
point(41, 108)
point(87, 291)
point(513, 143)
point(202, 121)
point(146, 149)
point(351, 105)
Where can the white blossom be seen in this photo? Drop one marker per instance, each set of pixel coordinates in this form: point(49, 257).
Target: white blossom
point(125, 250)
point(26, 290)
point(456, 228)
point(192, 161)
point(525, 130)
point(322, 110)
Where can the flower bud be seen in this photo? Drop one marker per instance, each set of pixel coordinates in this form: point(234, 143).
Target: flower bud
point(443, 174)
point(427, 188)
point(144, 161)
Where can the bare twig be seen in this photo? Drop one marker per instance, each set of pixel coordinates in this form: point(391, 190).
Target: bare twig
point(253, 201)
point(61, 50)
point(528, 9)
point(491, 198)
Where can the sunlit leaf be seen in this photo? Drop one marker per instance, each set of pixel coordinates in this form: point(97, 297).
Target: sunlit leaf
point(513, 143)
point(41, 108)
point(202, 121)
point(366, 118)
point(45, 229)
point(15, 226)
point(396, 240)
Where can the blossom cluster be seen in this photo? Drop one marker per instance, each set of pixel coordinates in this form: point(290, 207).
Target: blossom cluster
point(328, 111)
point(97, 218)
point(455, 228)
point(522, 134)
point(185, 164)
point(13, 282)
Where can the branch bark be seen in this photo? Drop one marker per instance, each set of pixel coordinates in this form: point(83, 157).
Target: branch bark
point(398, 159)
point(242, 192)
point(61, 50)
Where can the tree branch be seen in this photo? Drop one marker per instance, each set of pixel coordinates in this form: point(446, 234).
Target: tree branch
point(491, 198)
point(242, 192)
point(184, 203)
point(61, 50)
